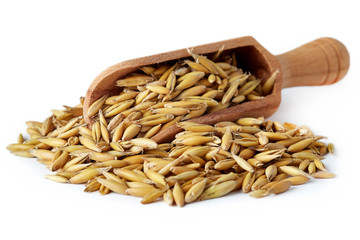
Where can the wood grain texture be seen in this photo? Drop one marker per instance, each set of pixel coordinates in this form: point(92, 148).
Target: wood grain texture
point(320, 62)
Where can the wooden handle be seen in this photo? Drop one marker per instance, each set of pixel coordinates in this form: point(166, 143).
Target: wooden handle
point(321, 62)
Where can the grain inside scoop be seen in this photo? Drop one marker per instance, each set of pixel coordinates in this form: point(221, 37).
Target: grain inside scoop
point(321, 62)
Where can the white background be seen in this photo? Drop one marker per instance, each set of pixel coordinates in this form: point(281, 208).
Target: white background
point(50, 51)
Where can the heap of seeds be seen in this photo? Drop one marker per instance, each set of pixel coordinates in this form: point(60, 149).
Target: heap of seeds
point(116, 154)
point(203, 162)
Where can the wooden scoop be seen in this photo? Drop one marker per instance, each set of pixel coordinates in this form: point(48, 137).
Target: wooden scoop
point(321, 62)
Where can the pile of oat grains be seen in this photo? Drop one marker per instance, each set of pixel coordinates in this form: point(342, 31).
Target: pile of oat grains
point(116, 153)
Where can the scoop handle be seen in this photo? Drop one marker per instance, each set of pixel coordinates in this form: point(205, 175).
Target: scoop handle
point(323, 61)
